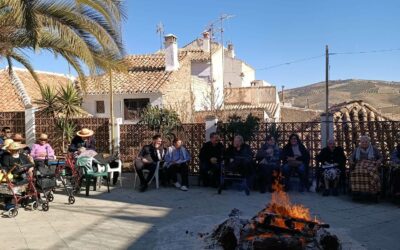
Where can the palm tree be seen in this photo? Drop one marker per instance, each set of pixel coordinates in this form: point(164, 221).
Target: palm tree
point(83, 32)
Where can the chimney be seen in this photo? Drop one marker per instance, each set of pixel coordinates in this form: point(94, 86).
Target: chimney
point(171, 53)
point(231, 51)
point(206, 41)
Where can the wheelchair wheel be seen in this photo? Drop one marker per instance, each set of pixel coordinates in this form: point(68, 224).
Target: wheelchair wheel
point(50, 197)
point(71, 200)
point(13, 212)
point(45, 206)
point(34, 205)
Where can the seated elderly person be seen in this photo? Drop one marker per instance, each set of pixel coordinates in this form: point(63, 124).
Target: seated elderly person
point(295, 157)
point(211, 156)
point(268, 157)
point(83, 139)
point(395, 173)
point(42, 150)
point(17, 137)
point(239, 158)
point(364, 162)
point(23, 166)
point(177, 161)
point(333, 163)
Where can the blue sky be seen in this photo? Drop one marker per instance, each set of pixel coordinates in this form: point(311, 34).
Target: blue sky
point(270, 32)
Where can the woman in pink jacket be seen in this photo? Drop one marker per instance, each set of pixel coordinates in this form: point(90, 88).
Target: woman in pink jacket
point(42, 150)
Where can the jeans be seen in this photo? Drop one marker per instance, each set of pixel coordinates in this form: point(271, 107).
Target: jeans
point(182, 169)
point(301, 171)
point(265, 172)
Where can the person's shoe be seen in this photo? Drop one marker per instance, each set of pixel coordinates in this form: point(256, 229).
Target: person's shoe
point(177, 185)
point(335, 192)
point(184, 188)
point(326, 192)
point(142, 188)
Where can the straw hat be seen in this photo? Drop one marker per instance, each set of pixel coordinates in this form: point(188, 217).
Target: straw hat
point(15, 146)
point(18, 137)
point(43, 137)
point(85, 132)
point(7, 143)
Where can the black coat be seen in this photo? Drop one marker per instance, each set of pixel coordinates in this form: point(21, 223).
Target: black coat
point(150, 152)
point(77, 142)
point(288, 152)
point(244, 153)
point(209, 151)
point(8, 162)
point(335, 156)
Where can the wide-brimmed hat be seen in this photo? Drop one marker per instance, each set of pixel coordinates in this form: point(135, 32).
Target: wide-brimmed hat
point(18, 137)
point(43, 137)
point(15, 146)
point(85, 132)
point(7, 143)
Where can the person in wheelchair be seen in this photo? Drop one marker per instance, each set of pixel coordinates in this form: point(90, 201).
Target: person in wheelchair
point(148, 158)
point(14, 157)
point(333, 161)
point(295, 156)
point(268, 157)
point(395, 173)
point(239, 158)
point(364, 164)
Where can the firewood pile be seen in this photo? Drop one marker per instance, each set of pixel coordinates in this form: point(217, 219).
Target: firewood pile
point(281, 225)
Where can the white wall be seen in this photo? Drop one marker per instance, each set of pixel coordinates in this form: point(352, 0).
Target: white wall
point(233, 69)
point(89, 104)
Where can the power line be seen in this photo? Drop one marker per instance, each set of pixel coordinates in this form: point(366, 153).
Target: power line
point(365, 52)
point(291, 62)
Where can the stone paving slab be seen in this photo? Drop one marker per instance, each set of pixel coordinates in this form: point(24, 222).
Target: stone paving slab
point(171, 219)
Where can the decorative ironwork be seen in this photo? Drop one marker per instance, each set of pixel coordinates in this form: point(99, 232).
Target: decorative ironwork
point(14, 120)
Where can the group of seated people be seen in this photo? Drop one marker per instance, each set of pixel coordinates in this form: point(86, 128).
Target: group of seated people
point(239, 157)
point(171, 161)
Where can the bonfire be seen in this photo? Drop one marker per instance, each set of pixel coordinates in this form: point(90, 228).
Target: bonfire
point(281, 225)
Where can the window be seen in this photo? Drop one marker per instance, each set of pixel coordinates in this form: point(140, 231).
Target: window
point(134, 107)
point(100, 108)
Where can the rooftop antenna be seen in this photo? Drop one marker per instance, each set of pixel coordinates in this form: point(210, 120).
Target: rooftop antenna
point(160, 31)
point(213, 29)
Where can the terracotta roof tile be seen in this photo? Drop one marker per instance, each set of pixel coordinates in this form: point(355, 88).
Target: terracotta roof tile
point(10, 99)
point(270, 108)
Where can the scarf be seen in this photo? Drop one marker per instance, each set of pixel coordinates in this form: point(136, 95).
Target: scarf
point(369, 151)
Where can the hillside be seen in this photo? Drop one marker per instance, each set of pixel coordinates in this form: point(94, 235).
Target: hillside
point(383, 95)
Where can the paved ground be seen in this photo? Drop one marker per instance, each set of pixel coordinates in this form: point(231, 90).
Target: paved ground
point(171, 219)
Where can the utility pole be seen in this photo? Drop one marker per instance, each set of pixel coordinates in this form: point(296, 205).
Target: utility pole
point(112, 113)
point(283, 98)
point(327, 117)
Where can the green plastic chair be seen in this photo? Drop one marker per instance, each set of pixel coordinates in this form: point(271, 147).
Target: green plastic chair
point(90, 174)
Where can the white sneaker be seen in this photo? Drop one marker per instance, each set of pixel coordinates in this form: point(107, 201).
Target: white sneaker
point(177, 185)
point(184, 188)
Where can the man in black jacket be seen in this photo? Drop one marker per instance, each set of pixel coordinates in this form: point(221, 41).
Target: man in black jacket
point(148, 158)
point(211, 156)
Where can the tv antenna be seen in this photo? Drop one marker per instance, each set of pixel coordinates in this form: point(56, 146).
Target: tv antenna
point(160, 31)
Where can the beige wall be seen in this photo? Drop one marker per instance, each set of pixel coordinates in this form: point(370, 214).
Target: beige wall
point(89, 103)
point(251, 95)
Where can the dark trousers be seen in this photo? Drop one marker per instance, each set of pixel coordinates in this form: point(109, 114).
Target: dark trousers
point(301, 171)
point(265, 172)
point(182, 169)
point(152, 169)
point(244, 167)
point(210, 174)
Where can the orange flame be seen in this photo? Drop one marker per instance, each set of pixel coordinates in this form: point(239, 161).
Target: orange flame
point(281, 205)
